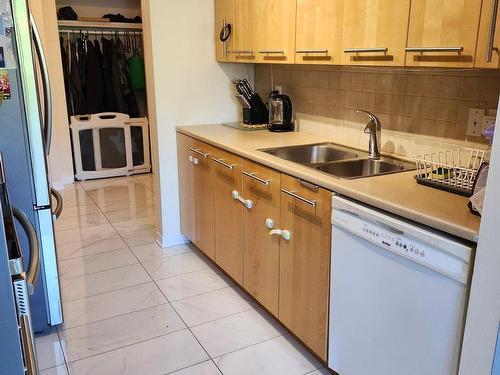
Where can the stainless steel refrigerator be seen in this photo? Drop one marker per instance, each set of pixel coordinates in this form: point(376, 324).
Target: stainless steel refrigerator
point(25, 134)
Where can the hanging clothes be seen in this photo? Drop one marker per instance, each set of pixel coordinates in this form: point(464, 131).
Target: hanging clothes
point(66, 76)
point(123, 92)
point(94, 79)
point(107, 64)
point(76, 86)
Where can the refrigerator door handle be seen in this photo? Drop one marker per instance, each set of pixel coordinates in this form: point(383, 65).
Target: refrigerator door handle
point(47, 92)
point(59, 205)
point(34, 264)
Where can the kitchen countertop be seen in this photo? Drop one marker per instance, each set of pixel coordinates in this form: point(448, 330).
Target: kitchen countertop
point(396, 193)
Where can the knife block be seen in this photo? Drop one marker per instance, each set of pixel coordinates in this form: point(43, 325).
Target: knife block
point(257, 113)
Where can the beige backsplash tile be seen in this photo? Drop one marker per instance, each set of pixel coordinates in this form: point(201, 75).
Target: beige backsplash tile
point(421, 110)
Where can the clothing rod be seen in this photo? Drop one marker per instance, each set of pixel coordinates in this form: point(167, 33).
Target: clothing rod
point(100, 32)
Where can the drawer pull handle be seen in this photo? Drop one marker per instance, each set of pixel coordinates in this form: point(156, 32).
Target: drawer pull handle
point(256, 178)
point(246, 202)
point(285, 234)
point(221, 162)
point(365, 50)
point(242, 52)
point(311, 203)
point(272, 52)
point(307, 51)
point(197, 151)
point(434, 49)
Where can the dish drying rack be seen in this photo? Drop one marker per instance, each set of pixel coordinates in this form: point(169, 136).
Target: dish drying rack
point(453, 170)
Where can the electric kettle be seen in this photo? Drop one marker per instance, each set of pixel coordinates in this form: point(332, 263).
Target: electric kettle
point(280, 113)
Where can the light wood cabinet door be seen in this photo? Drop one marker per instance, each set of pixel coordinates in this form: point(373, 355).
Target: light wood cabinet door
point(488, 43)
point(275, 31)
point(224, 14)
point(228, 213)
point(261, 185)
point(186, 186)
point(244, 31)
point(305, 262)
point(440, 29)
point(319, 31)
point(374, 32)
point(204, 197)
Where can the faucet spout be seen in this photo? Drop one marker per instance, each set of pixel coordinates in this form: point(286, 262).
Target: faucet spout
point(373, 128)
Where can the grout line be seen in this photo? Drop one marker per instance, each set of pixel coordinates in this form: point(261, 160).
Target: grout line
point(187, 367)
point(96, 272)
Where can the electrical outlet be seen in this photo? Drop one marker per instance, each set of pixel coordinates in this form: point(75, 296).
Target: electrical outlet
point(278, 88)
point(488, 121)
point(476, 122)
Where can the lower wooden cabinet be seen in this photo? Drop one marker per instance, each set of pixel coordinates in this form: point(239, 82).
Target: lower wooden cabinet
point(228, 213)
point(261, 256)
point(305, 262)
point(270, 232)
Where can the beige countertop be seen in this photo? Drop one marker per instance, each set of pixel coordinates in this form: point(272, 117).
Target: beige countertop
point(396, 193)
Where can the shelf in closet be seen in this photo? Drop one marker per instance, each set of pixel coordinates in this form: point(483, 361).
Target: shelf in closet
point(100, 25)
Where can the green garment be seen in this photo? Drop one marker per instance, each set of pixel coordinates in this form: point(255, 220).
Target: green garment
point(136, 72)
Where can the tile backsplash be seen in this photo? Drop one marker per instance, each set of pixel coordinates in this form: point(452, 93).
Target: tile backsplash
point(421, 110)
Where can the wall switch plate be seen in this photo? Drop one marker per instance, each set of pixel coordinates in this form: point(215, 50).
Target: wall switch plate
point(479, 120)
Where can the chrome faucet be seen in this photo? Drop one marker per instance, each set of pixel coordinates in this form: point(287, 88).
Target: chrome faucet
point(373, 128)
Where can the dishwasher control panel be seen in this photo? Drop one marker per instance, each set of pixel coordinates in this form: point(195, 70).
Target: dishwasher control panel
point(400, 244)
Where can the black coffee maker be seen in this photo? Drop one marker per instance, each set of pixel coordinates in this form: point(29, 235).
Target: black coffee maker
point(280, 113)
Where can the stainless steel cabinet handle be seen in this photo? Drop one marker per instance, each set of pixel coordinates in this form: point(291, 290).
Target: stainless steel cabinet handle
point(272, 52)
point(197, 151)
point(256, 178)
point(221, 162)
point(311, 203)
point(59, 203)
point(241, 52)
point(305, 51)
point(365, 50)
point(246, 202)
point(434, 49)
point(491, 33)
point(47, 91)
point(34, 264)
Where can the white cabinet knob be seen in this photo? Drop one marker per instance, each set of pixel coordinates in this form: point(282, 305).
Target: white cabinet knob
point(269, 223)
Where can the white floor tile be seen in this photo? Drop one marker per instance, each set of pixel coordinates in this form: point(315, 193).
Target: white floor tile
point(153, 357)
point(152, 250)
point(139, 237)
point(321, 371)
point(89, 247)
point(108, 196)
point(49, 351)
point(135, 224)
point(96, 263)
point(176, 265)
point(80, 221)
point(85, 341)
point(85, 235)
point(107, 305)
point(210, 306)
point(192, 284)
point(204, 368)
point(102, 282)
point(236, 332)
point(59, 370)
point(128, 213)
point(109, 207)
point(281, 355)
point(76, 211)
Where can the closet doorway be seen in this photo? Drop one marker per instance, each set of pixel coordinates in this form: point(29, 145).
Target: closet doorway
point(104, 74)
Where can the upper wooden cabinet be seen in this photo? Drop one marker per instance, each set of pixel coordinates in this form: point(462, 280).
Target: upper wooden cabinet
point(443, 33)
point(244, 29)
point(275, 30)
point(374, 32)
point(487, 52)
point(319, 31)
point(224, 14)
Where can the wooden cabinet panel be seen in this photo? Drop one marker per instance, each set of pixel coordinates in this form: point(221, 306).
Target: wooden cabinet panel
point(488, 26)
point(244, 30)
point(275, 30)
point(375, 25)
point(319, 31)
point(305, 264)
point(444, 24)
point(224, 13)
point(228, 213)
point(261, 250)
point(204, 197)
point(186, 186)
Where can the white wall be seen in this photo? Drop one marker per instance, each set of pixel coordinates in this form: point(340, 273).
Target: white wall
point(190, 88)
point(483, 316)
point(60, 159)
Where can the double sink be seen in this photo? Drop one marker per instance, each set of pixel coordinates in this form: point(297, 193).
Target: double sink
point(340, 161)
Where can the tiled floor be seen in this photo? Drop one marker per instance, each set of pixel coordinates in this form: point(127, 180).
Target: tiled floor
point(131, 307)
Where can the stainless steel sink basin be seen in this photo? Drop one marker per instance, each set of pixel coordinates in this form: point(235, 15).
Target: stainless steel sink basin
point(350, 169)
point(313, 154)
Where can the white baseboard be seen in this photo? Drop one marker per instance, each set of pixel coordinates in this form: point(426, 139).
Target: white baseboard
point(169, 241)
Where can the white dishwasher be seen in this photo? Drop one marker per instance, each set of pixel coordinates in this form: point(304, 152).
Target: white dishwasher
point(398, 295)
